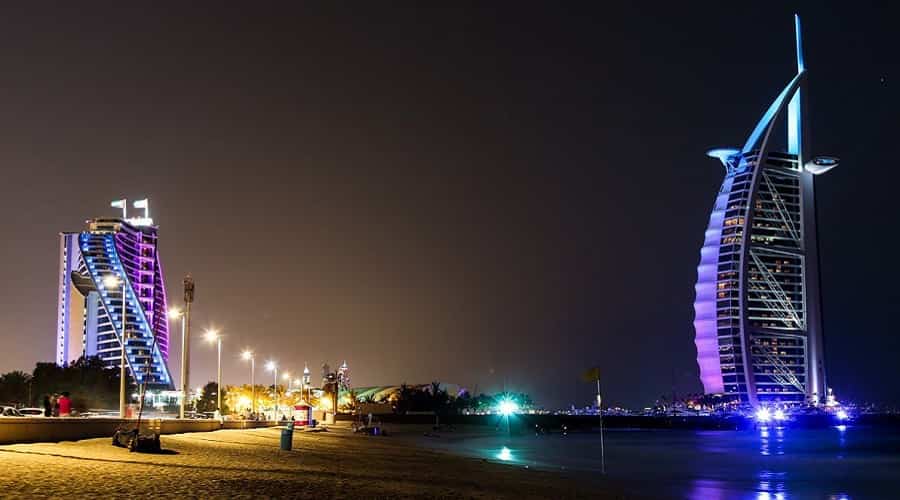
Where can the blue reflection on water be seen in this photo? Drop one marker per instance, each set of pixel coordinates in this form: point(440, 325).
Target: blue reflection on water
point(771, 485)
point(775, 463)
point(769, 445)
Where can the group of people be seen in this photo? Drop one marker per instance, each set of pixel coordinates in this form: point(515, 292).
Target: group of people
point(57, 405)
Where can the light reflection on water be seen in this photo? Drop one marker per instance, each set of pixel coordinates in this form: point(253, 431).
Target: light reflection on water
point(771, 485)
point(505, 454)
point(768, 444)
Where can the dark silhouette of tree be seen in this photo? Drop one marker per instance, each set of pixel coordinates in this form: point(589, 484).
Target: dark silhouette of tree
point(14, 388)
point(89, 382)
point(209, 398)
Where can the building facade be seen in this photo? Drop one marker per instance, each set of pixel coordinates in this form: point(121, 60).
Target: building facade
point(96, 265)
point(758, 316)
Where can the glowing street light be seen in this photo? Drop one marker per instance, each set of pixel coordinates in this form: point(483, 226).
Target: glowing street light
point(213, 336)
point(507, 407)
point(273, 367)
point(175, 313)
point(248, 355)
point(763, 415)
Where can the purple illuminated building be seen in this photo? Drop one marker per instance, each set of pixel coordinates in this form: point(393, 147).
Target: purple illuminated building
point(758, 317)
point(94, 266)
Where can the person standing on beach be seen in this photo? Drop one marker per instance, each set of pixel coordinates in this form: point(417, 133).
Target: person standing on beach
point(65, 405)
point(48, 406)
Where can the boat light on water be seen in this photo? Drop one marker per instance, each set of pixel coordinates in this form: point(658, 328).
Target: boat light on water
point(505, 454)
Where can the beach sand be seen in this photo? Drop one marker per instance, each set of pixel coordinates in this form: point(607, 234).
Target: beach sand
point(249, 463)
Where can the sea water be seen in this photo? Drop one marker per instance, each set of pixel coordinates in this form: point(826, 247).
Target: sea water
point(840, 462)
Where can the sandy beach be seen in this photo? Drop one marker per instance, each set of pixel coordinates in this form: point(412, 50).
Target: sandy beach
point(249, 463)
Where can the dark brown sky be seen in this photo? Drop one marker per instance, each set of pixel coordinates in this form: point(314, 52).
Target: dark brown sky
point(484, 196)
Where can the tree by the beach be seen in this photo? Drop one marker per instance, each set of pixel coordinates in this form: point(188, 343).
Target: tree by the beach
point(208, 400)
point(88, 380)
point(14, 387)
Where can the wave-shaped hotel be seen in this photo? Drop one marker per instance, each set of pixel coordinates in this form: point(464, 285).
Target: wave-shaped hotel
point(112, 257)
point(758, 311)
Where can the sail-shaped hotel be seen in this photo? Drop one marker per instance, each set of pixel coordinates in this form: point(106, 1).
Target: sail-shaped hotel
point(758, 313)
point(113, 263)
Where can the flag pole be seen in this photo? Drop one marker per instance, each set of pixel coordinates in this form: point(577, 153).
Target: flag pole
point(600, 412)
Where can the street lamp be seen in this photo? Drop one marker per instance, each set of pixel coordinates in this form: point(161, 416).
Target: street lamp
point(174, 314)
point(273, 367)
point(113, 281)
point(213, 336)
point(248, 355)
point(306, 383)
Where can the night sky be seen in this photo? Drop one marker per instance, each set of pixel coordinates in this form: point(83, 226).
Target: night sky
point(493, 196)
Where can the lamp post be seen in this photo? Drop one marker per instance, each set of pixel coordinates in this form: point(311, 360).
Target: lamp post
point(186, 342)
point(213, 336)
point(174, 314)
point(306, 383)
point(248, 355)
point(273, 367)
point(287, 376)
point(112, 281)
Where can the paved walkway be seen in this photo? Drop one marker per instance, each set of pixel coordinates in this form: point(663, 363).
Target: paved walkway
point(249, 463)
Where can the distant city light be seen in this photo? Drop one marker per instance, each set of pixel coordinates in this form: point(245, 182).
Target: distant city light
point(505, 454)
point(842, 415)
point(763, 415)
point(779, 415)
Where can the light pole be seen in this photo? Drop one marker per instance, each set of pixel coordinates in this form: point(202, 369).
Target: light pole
point(213, 336)
point(113, 281)
point(186, 342)
point(306, 383)
point(174, 314)
point(248, 355)
point(273, 367)
point(287, 376)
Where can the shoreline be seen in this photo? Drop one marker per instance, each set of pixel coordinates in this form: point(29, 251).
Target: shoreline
point(249, 463)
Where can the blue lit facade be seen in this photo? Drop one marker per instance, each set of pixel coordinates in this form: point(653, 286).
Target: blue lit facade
point(91, 313)
point(758, 317)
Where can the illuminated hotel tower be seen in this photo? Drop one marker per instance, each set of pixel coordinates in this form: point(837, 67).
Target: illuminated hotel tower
point(758, 317)
point(94, 265)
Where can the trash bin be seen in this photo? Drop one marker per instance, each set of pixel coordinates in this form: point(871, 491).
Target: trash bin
point(287, 436)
